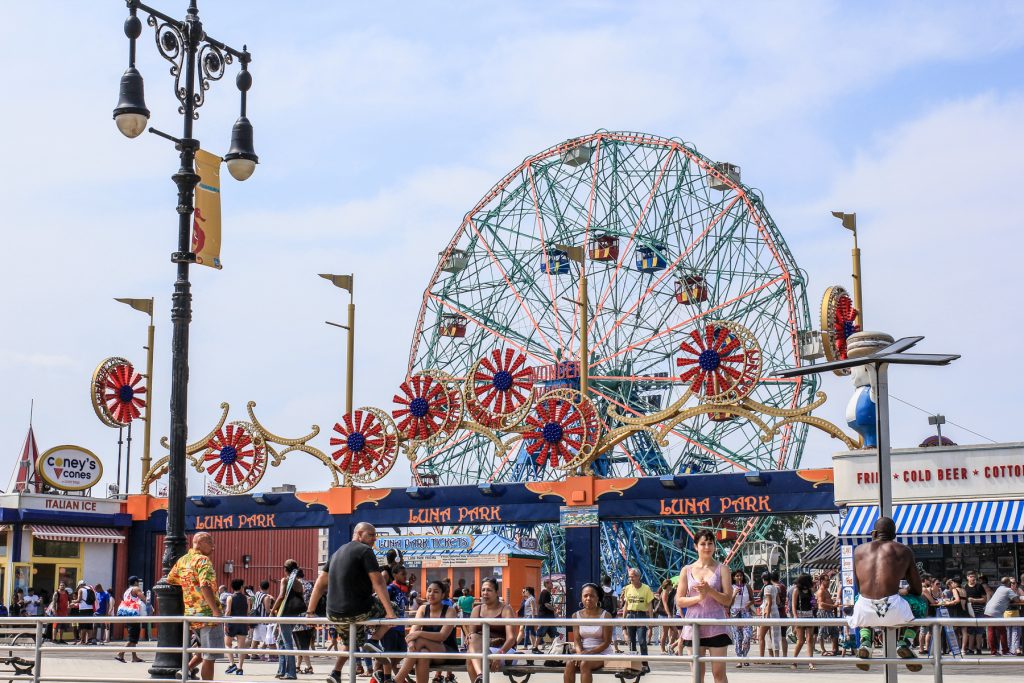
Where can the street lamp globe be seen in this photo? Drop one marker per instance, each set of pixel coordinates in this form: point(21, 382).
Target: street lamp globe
point(131, 113)
point(241, 157)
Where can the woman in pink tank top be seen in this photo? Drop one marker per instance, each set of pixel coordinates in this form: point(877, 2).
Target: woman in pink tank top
point(705, 590)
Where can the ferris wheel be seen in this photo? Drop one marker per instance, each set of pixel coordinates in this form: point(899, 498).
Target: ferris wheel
point(677, 253)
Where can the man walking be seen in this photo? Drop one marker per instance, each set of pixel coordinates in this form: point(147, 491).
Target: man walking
point(879, 566)
point(195, 574)
point(546, 610)
point(85, 599)
point(1003, 599)
point(355, 591)
point(638, 599)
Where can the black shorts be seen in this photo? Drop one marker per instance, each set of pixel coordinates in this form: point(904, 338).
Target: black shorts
point(134, 629)
point(85, 613)
point(721, 640)
point(235, 630)
point(303, 639)
point(394, 641)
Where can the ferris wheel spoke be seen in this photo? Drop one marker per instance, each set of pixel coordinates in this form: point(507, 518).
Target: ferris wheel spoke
point(672, 328)
point(665, 273)
point(543, 240)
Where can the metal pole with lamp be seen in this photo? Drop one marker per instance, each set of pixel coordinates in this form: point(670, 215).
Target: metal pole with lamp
point(892, 353)
point(197, 61)
point(146, 306)
point(346, 282)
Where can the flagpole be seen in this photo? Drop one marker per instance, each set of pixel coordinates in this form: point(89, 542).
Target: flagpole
point(146, 461)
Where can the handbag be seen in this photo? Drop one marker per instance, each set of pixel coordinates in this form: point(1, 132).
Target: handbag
point(129, 607)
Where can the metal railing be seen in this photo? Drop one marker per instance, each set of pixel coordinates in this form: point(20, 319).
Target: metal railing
point(34, 652)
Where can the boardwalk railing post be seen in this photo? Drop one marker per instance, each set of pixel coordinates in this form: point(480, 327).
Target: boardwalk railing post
point(37, 669)
point(937, 652)
point(485, 653)
point(184, 648)
point(695, 644)
point(352, 651)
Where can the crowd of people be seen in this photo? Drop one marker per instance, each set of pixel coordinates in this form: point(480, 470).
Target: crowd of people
point(353, 587)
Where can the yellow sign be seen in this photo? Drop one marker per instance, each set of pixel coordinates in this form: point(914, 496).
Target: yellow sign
point(206, 218)
point(69, 468)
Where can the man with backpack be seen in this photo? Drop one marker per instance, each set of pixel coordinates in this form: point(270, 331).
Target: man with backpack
point(86, 601)
point(261, 602)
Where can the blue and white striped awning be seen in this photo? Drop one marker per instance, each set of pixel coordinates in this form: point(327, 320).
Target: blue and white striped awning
point(981, 521)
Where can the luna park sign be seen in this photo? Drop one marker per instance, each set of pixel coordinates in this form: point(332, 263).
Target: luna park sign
point(69, 468)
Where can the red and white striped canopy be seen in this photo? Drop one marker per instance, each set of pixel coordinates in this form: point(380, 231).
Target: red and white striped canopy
point(77, 533)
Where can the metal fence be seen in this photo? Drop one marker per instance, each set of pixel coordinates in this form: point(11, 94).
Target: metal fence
point(22, 637)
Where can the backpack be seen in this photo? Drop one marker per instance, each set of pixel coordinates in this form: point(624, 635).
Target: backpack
point(259, 609)
point(608, 603)
point(90, 596)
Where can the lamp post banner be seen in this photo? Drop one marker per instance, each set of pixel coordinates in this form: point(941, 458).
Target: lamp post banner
point(206, 218)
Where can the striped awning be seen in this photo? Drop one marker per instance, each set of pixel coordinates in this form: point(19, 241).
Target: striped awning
point(825, 555)
point(980, 521)
point(77, 533)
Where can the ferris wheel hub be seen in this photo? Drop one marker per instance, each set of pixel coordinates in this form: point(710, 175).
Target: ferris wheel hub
point(502, 380)
point(709, 360)
point(228, 455)
point(355, 442)
point(419, 407)
point(552, 432)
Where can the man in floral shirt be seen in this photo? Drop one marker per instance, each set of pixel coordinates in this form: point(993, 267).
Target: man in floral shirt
point(195, 574)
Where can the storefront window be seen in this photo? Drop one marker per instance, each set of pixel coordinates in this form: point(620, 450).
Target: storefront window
point(42, 548)
point(3, 544)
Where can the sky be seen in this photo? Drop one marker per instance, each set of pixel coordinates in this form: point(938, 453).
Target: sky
point(379, 125)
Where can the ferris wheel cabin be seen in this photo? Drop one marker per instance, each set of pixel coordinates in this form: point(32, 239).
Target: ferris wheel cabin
point(651, 259)
point(577, 156)
point(452, 325)
point(605, 248)
point(727, 175)
point(455, 262)
point(690, 290)
point(554, 262)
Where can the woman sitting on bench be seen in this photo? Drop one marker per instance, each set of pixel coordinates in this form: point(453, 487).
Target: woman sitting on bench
point(437, 638)
point(589, 640)
point(502, 638)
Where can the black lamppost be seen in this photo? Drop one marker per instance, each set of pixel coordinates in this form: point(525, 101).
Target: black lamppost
point(194, 56)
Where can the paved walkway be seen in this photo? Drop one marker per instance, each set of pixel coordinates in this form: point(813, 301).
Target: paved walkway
point(101, 666)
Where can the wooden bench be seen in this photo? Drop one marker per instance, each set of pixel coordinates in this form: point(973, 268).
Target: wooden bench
point(521, 673)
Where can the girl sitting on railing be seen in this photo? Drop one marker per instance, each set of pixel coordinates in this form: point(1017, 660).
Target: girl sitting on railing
point(436, 638)
point(502, 638)
point(589, 640)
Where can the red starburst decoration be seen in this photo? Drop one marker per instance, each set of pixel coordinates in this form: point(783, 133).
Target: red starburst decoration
point(717, 358)
point(426, 407)
point(122, 393)
point(502, 384)
point(233, 459)
point(364, 442)
point(557, 432)
point(844, 324)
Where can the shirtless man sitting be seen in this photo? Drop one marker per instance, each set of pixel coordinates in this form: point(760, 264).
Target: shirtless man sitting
point(879, 567)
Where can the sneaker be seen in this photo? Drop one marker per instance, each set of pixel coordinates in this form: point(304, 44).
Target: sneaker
point(239, 672)
point(333, 677)
point(863, 652)
point(373, 646)
point(378, 677)
point(904, 651)
point(450, 678)
point(231, 669)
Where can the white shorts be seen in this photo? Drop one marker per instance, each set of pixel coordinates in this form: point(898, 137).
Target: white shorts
point(261, 633)
point(890, 611)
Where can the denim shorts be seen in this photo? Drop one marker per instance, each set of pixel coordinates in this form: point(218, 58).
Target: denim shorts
point(211, 637)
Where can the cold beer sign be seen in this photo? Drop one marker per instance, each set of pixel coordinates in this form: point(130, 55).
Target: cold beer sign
point(69, 468)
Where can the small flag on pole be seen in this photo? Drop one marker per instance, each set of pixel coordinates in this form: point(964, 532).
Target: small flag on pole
point(342, 281)
point(143, 305)
point(849, 219)
point(206, 220)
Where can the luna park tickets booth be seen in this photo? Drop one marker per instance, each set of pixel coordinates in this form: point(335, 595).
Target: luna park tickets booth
point(579, 504)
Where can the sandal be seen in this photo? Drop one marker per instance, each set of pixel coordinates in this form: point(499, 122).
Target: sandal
point(120, 658)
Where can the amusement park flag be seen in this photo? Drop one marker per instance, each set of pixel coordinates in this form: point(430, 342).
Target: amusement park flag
point(206, 220)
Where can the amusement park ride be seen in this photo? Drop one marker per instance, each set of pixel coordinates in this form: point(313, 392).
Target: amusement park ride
point(617, 305)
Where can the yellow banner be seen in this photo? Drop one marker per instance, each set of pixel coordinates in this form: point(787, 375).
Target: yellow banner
point(206, 220)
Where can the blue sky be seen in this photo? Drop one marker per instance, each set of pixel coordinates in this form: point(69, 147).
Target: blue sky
point(379, 126)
